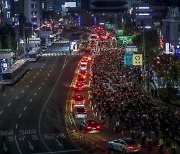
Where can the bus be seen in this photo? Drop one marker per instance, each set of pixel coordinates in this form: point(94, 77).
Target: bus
point(33, 55)
point(15, 72)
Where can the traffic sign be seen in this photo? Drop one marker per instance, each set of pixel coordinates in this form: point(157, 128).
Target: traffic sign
point(109, 26)
point(125, 40)
point(131, 48)
point(128, 59)
point(137, 59)
point(120, 32)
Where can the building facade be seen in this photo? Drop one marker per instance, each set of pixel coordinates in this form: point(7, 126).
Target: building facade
point(148, 14)
point(171, 29)
point(32, 12)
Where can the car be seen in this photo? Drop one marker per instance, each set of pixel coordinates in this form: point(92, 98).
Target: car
point(79, 112)
point(79, 86)
point(90, 126)
point(82, 73)
point(83, 62)
point(81, 79)
point(125, 145)
point(83, 67)
point(78, 100)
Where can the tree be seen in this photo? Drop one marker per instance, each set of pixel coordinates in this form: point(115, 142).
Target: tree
point(8, 37)
point(151, 42)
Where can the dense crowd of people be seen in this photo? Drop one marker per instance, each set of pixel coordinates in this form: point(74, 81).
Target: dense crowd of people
point(118, 97)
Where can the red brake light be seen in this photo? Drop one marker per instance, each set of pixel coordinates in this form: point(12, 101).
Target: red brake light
point(139, 146)
point(89, 127)
point(130, 147)
point(98, 127)
point(83, 101)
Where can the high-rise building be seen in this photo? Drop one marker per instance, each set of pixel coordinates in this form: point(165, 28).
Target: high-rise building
point(171, 29)
point(148, 14)
point(114, 6)
point(52, 5)
point(32, 12)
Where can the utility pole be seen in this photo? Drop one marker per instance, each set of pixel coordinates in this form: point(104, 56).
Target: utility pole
point(144, 59)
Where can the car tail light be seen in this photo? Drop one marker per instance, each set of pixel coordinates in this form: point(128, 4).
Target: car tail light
point(89, 127)
point(139, 146)
point(89, 58)
point(98, 127)
point(83, 101)
point(130, 147)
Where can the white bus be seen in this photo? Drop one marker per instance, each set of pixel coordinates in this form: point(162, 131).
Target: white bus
point(33, 55)
point(15, 72)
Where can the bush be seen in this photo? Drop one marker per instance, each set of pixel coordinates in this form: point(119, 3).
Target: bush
point(169, 97)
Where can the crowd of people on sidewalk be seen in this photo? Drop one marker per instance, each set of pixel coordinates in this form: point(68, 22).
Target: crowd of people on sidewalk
point(117, 96)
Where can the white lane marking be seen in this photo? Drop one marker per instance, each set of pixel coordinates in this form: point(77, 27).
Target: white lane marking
point(34, 77)
point(20, 116)
point(37, 73)
point(30, 100)
point(25, 108)
point(43, 83)
point(16, 97)
point(45, 79)
point(48, 74)
point(27, 86)
point(31, 81)
point(22, 91)
point(39, 88)
point(50, 71)
point(4, 95)
point(16, 126)
point(60, 144)
point(17, 144)
point(40, 70)
point(40, 116)
point(1, 112)
point(35, 94)
point(42, 66)
point(9, 104)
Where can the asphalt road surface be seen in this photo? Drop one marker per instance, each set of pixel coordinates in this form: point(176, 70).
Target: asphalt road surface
point(32, 110)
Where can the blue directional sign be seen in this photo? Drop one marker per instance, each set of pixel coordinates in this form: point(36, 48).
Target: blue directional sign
point(128, 59)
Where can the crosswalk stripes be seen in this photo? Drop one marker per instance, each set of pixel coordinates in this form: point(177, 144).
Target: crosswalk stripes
point(62, 41)
point(59, 54)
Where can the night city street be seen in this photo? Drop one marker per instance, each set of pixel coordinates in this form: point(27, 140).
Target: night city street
point(89, 76)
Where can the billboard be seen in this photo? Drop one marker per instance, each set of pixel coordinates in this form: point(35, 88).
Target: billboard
point(70, 4)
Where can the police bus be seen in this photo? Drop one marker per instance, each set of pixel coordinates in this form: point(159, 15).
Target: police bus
point(15, 72)
point(34, 54)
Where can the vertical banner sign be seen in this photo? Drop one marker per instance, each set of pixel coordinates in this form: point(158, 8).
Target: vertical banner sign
point(128, 59)
point(137, 60)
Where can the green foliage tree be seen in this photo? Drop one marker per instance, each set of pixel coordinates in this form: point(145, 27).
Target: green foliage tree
point(8, 37)
point(151, 42)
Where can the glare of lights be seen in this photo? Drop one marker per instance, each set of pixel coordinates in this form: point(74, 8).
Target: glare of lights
point(143, 14)
point(143, 8)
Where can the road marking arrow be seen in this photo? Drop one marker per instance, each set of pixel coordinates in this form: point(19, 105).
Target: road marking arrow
point(60, 144)
point(5, 148)
point(30, 145)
